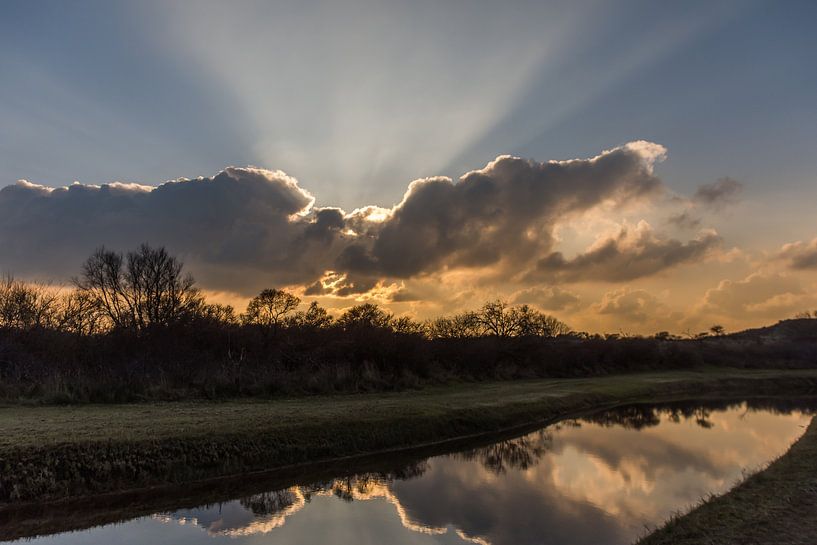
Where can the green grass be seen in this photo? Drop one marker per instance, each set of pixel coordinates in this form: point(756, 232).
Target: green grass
point(25, 426)
point(776, 506)
point(53, 452)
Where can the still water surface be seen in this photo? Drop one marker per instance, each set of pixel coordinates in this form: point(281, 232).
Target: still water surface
point(597, 480)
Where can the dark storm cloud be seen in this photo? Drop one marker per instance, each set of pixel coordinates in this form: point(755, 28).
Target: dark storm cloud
point(717, 194)
point(630, 254)
point(248, 228)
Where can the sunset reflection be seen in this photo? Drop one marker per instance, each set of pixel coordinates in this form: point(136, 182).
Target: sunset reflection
point(600, 479)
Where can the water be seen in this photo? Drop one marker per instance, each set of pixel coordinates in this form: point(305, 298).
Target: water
point(597, 480)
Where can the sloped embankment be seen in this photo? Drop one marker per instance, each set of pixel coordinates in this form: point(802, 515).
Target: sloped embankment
point(777, 506)
point(48, 453)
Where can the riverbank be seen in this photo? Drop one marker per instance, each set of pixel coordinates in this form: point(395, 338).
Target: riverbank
point(776, 506)
point(48, 453)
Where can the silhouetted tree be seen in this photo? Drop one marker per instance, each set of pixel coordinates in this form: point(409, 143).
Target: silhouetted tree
point(499, 319)
point(365, 315)
point(270, 307)
point(407, 326)
point(81, 314)
point(144, 289)
point(27, 305)
point(458, 326)
point(717, 330)
point(315, 317)
point(218, 314)
point(532, 323)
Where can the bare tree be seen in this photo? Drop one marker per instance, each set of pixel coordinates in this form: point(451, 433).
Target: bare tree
point(531, 322)
point(218, 314)
point(459, 326)
point(102, 279)
point(407, 326)
point(365, 315)
point(314, 317)
point(270, 307)
point(498, 318)
point(80, 313)
point(27, 305)
point(143, 289)
point(550, 326)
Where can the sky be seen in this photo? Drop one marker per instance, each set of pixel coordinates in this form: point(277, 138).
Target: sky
point(628, 167)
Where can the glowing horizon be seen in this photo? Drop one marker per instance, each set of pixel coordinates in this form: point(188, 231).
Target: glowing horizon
point(388, 138)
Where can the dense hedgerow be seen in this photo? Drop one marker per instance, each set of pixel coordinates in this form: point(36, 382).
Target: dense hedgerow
point(134, 327)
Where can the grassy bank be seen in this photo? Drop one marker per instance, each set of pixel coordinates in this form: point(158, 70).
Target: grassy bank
point(777, 506)
point(55, 452)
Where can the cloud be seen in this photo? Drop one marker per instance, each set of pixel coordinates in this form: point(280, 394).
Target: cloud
point(758, 296)
point(631, 253)
point(248, 228)
point(632, 305)
point(719, 193)
point(547, 298)
point(404, 296)
point(684, 220)
point(707, 198)
point(234, 227)
point(800, 255)
point(505, 212)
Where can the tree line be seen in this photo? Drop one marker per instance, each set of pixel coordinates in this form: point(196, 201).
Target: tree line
point(147, 289)
point(135, 326)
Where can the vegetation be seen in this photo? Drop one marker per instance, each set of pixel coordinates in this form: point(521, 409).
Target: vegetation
point(270, 307)
point(135, 327)
point(52, 452)
point(143, 290)
point(776, 506)
point(267, 493)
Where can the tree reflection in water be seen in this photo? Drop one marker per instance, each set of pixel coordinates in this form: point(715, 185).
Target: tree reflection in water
point(581, 481)
point(515, 454)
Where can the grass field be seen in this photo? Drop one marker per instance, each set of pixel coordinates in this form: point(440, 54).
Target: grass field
point(51, 452)
point(26, 426)
point(777, 506)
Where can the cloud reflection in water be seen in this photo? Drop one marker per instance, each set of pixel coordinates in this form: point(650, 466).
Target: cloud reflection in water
point(595, 480)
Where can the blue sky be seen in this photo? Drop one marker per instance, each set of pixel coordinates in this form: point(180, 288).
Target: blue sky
point(356, 99)
point(147, 91)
